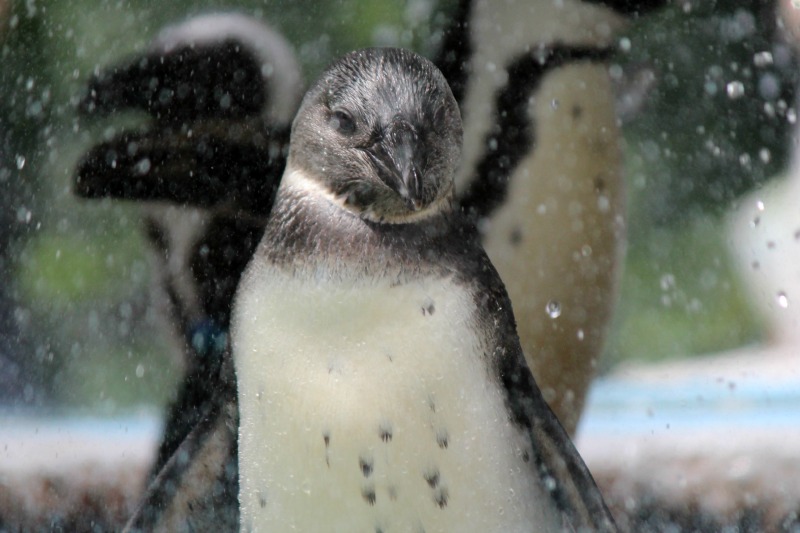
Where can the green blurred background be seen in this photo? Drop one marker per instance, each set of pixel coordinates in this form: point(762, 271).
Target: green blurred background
point(78, 328)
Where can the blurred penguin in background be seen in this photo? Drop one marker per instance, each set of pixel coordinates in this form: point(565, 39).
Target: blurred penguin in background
point(542, 175)
point(222, 90)
point(765, 238)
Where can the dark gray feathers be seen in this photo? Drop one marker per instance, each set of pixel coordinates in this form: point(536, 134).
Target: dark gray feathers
point(380, 130)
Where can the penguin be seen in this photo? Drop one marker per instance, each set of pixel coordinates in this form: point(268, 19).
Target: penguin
point(222, 90)
point(541, 175)
point(381, 383)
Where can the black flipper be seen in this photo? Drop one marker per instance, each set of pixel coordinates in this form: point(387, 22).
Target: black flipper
point(198, 488)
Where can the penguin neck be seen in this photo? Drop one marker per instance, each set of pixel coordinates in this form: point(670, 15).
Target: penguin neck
point(309, 230)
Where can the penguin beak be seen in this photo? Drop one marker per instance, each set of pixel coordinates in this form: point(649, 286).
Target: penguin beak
point(399, 160)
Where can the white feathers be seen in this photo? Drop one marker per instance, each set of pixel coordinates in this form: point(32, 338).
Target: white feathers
point(368, 407)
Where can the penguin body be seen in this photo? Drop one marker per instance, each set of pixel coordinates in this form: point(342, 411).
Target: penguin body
point(542, 178)
point(366, 412)
point(381, 384)
point(222, 89)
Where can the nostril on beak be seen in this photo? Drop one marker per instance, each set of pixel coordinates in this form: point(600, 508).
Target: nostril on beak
point(413, 185)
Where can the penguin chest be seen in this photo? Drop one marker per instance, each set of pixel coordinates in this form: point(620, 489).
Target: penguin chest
point(369, 408)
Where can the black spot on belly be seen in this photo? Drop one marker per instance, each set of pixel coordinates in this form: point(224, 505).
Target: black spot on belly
point(262, 500)
point(385, 432)
point(440, 496)
point(526, 457)
point(326, 438)
point(365, 464)
point(392, 492)
point(577, 112)
point(368, 493)
point(515, 237)
point(442, 438)
point(432, 477)
point(428, 309)
point(599, 184)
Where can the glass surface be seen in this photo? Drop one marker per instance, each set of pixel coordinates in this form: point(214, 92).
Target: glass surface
point(707, 106)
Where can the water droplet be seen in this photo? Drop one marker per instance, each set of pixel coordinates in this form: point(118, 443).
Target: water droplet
point(791, 116)
point(783, 300)
point(762, 59)
point(625, 44)
point(20, 162)
point(553, 309)
point(667, 282)
point(554, 103)
point(744, 160)
point(142, 167)
point(24, 214)
point(580, 335)
point(760, 205)
point(140, 370)
point(586, 250)
point(735, 89)
point(765, 155)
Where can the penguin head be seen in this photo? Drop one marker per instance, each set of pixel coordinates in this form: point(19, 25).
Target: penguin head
point(381, 132)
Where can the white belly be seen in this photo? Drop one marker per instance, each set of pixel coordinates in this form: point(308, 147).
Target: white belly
point(369, 409)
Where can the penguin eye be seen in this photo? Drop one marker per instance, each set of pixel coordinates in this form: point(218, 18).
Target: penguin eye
point(343, 122)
